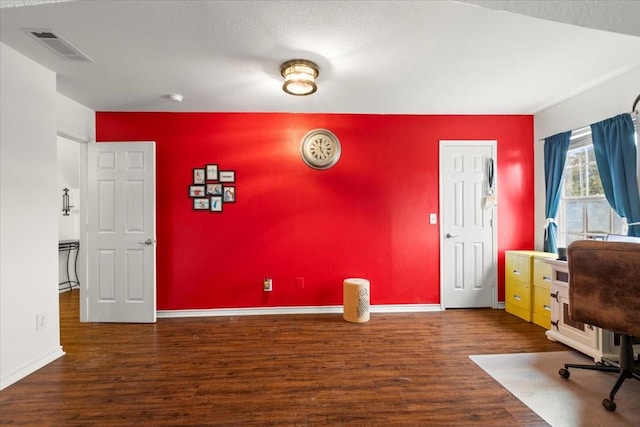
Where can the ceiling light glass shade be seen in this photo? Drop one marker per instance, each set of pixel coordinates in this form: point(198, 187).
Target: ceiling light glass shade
point(299, 77)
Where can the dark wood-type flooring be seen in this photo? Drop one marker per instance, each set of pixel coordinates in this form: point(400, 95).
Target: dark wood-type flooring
point(286, 370)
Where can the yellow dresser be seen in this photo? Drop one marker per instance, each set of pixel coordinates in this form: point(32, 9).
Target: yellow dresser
point(541, 303)
point(521, 276)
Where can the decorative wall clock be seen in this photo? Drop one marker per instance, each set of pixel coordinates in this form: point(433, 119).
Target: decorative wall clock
point(320, 149)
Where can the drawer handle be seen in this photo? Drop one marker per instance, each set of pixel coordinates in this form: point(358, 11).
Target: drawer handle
point(546, 278)
point(516, 271)
point(547, 307)
point(555, 296)
point(517, 297)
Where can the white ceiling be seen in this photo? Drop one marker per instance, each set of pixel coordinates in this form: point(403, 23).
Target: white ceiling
point(379, 57)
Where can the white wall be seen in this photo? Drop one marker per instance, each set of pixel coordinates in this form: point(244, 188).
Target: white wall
point(609, 99)
point(74, 120)
point(28, 221)
point(69, 155)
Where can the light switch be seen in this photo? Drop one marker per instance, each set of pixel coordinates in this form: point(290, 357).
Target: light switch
point(433, 218)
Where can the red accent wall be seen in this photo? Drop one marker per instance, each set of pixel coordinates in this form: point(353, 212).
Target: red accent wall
point(368, 216)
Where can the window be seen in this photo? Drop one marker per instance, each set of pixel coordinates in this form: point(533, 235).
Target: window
point(584, 212)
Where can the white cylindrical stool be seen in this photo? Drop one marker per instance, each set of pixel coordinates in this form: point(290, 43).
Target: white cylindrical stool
point(355, 300)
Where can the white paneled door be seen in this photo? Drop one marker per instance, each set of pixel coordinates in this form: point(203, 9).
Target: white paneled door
point(121, 233)
point(467, 221)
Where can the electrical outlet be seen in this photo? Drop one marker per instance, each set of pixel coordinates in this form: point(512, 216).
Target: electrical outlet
point(267, 285)
point(433, 218)
point(41, 321)
point(300, 282)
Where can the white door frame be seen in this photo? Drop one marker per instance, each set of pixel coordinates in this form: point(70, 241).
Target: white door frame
point(494, 153)
point(84, 197)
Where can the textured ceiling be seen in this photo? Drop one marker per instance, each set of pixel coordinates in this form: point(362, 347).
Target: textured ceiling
point(380, 57)
point(621, 16)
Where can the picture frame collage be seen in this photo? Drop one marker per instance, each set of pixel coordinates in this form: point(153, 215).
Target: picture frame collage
point(212, 188)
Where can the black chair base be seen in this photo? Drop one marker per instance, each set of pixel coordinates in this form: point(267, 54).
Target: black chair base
point(625, 368)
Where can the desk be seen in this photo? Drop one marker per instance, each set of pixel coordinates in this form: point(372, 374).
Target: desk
point(68, 246)
point(590, 340)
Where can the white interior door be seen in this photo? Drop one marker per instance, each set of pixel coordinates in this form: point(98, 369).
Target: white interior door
point(121, 233)
point(467, 224)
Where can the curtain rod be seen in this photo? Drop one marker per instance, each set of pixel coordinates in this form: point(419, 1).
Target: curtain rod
point(585, 130)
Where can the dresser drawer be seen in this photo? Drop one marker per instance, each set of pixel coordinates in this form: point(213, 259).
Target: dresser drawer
point(517, 267)
point(542, 306)
point(518, 294)
point(541, 274)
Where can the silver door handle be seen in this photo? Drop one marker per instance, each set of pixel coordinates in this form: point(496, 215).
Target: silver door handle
point(449, 235)
point(147, 242)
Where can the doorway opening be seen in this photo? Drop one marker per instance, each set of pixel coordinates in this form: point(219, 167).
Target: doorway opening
point(70, 154)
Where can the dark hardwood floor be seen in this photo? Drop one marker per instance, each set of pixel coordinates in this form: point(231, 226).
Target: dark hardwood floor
point(293, 370)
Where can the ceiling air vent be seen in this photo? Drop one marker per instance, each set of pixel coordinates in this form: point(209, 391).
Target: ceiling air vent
point(57, 44)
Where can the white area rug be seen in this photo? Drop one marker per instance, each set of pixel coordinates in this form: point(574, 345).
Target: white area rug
point(577, 401)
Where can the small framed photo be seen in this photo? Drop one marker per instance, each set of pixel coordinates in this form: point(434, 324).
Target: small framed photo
point(214, 189)
point(229, 193)
point(227, 176)
point(212, 173)
point(198, 175)
point(196, 191)
point(201, 204)
point(216, 204)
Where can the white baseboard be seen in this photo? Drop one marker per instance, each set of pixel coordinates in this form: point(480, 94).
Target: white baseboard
point(30, 367)
point(256, 311)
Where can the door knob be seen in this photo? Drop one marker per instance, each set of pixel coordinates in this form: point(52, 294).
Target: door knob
point(449, 235)
point(147, 242)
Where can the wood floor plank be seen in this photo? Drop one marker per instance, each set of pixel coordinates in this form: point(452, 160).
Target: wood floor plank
point(289, 370)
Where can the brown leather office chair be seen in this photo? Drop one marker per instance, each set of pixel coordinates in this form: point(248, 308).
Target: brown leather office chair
point(604, 291)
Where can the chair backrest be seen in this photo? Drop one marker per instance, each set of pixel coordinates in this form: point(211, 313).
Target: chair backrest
point(604, 284)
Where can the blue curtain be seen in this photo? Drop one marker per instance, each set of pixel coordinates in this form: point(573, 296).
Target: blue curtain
point(615, 150)
point(555, 156)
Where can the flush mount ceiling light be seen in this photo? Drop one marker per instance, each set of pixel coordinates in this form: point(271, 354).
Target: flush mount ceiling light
point(299, 77)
